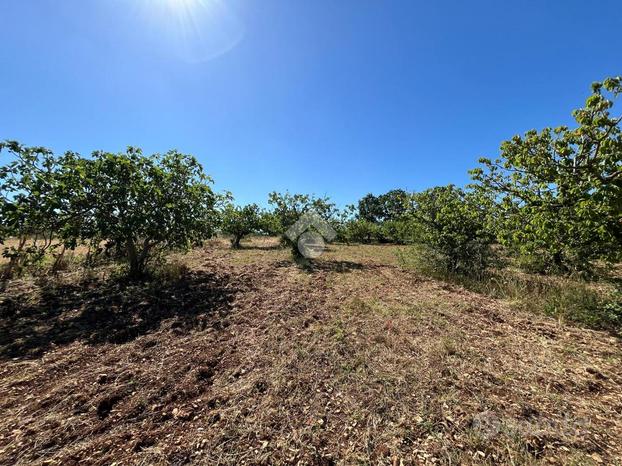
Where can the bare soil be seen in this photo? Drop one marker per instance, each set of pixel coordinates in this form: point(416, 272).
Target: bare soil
point(241, 357)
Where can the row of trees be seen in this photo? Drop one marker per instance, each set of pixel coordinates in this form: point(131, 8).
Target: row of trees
point(552, 198)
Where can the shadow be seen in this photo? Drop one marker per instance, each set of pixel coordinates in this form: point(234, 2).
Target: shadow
point(255, 247)
point(321, 265)
point(335, 266)
point(110, 311)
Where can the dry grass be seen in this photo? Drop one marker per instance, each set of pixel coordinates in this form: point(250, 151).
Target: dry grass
point(239, 357)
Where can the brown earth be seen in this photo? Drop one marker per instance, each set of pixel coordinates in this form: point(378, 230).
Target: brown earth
point(240, 357)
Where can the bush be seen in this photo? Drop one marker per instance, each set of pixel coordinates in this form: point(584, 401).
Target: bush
point(570, 300)
point(452, 226)
point(579, 303)
point(361, 231)
point(424, 260)
point(172, 271)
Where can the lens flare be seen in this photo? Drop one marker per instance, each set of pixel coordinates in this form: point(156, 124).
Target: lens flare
point(196, 30)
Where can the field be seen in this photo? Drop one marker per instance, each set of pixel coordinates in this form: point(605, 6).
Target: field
point(241, 357)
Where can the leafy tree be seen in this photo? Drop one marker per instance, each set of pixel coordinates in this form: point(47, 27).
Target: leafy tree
point(240, 221)
point(362, 231)
point(402, 231)
point(560, 190)
point(371, 209)
point(31, 209)
point(452, 224)
point(390, 206)
point(140, 205)
point(144, 205)
point(269, 223)
point(341, 221)
point(287, 209)
point(395, 204)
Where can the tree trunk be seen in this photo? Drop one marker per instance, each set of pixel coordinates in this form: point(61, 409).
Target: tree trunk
point(59, 260)
point(235, 241)
point(15, 260)
point(558, 261)
point(136, 269)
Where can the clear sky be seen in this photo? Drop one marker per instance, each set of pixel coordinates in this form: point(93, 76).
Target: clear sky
point(337, 97)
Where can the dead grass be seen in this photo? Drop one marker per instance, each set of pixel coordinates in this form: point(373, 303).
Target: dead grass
point(239, 357)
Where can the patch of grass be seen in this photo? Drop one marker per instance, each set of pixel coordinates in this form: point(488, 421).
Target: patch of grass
point(339, 331)
point(578, 303)
point(449, 346)
point(418, 310)
point(567, 299)
point(171, 271)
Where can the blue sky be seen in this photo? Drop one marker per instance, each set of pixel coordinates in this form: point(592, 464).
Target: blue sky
point(336, 97)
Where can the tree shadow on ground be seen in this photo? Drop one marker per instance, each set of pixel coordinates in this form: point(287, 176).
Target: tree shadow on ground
point(256, 247)
point(110, 311)
point(321, 265)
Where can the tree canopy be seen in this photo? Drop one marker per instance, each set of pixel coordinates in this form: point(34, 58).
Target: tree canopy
point(559, 190)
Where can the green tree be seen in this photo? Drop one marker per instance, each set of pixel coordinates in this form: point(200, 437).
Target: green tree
point(453, 225)
point(391, 206)
point(146, 204)
point(31, 208)
point(560, 190)
point(402, 231)
point(359, 230)
point(269, 223)
point(341, 222)
point(395, 204)
point(287, 209)
point(370, 208)
point(240, 222)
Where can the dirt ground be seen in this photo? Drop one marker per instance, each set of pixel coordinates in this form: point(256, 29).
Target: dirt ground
point(240, 357)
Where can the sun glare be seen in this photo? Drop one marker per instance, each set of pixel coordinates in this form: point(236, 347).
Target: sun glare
point(196, 30)
point(182, 3)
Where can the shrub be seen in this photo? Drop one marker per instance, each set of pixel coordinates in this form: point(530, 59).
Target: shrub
point(172, 271)
point(578, 302)
point(567, 299)
point(361, 231)
point(452, 228)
